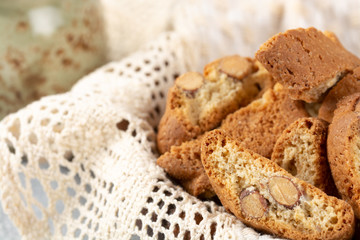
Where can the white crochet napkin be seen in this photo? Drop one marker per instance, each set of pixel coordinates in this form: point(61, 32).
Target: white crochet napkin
point(81, 165)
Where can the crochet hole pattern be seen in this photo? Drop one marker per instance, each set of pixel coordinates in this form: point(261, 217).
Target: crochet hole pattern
point(82, 165)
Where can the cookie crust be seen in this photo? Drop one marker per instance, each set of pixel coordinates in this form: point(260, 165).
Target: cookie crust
point(306, 62)
point(350, 84)
point(233, 169)
point(228, 84)
point(343, 150)
point(301, 150)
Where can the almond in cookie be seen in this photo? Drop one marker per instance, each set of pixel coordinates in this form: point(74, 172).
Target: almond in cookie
point(301, 150)
point(265, 196)
point(198, 103)
point(257, 126)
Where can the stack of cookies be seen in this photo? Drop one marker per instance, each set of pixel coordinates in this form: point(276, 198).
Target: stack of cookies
point(242, 130)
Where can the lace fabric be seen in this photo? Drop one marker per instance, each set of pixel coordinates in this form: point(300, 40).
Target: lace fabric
point(81, 165)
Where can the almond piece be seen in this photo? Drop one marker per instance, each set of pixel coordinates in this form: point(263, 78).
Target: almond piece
point(252, 203)
point(284, 191)
point(190, 82)
point(236, 67)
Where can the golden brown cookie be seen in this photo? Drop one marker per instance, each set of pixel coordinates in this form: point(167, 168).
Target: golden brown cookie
point(265, 196)
point(306, 61)
point(197, 103)
point(348, 85)
point(343, 146)
point(183, 164)
point(301, 150)
point(257, 126)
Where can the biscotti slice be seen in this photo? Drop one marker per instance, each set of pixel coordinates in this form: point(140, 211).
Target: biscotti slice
point(183, 164)
point(350, 84)
point(266, 197)
point(343, 146)
point(301, 150)
point(258, 125)
point(197, 103)
point(306, 61)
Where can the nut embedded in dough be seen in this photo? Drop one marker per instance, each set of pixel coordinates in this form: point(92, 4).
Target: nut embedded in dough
point(253, 204)
point(190, 82)
point(284, 191)
point(236, 67)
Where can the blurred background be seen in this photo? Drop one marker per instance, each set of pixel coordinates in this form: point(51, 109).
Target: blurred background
point(48, 45)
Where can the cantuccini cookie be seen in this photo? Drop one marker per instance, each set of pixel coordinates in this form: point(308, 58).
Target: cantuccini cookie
point(198, 103)
point(301, 150)
point(183, 164)
point(348, 85)
point(266, 197)
point(343, 146)
point(306, 61)
point(257, 126)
